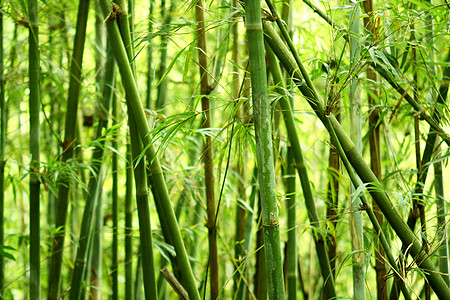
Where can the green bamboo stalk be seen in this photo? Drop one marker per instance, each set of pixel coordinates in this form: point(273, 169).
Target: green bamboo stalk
point(150, 70)
point(333, 194)
point(356, 220)
point(259, 280)
point(34, 102)
point(207, 151)
point(264, 148)
point(303, 175)
point(129, 226)
point(145, 229)
point(115, 212)
point(94, 182)
point(157, 182)
point(296, 68)
point(248, 230)
point(56, 254)
point(240, 220)
point(291, 257)
point(3, 122)
point(94, 272)
point(375, 155)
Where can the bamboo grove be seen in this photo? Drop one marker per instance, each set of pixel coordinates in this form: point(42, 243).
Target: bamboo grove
point(224, 149)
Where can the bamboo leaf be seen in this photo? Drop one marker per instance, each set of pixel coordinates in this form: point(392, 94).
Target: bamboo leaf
point(171, 65)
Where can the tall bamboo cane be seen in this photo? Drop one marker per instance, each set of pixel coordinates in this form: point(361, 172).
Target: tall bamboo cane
point(356, 217)
point(375, 153)
point(128, 226)
point(208, 151)
point(68, 144)
point(266, 176)
point(34, 74)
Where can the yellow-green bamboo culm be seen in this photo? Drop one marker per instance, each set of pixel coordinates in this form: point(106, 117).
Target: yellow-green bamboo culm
point(264, 150)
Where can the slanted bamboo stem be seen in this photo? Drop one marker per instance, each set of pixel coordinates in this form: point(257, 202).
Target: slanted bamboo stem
point(296, 68)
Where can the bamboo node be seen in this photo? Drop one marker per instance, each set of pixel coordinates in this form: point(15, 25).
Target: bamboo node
point(273, 222)
point(114, 14)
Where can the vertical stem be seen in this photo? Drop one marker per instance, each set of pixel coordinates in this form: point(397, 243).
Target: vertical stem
point(240, 221)
point(375, 155)
point(34, 102)
point(115, 207)
point(56, 255)
point(128, 226)
point(149, 58)
point(291, 258)
point(145, 229)
point(96, 256)
point(208, 151)
point(264, 150)
point(356, 221)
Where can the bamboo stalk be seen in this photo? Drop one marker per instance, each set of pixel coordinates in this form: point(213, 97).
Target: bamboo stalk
point(150, 71)
point(291, 257)
point(56, 254)
point(128, 226)
point(115, 211)
point(375, 154)
point(207, 151)
point(158, 184)
point(140, 179)
point(34, 105)
point(266, 176)
point(356, 220)
point(95, 253)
